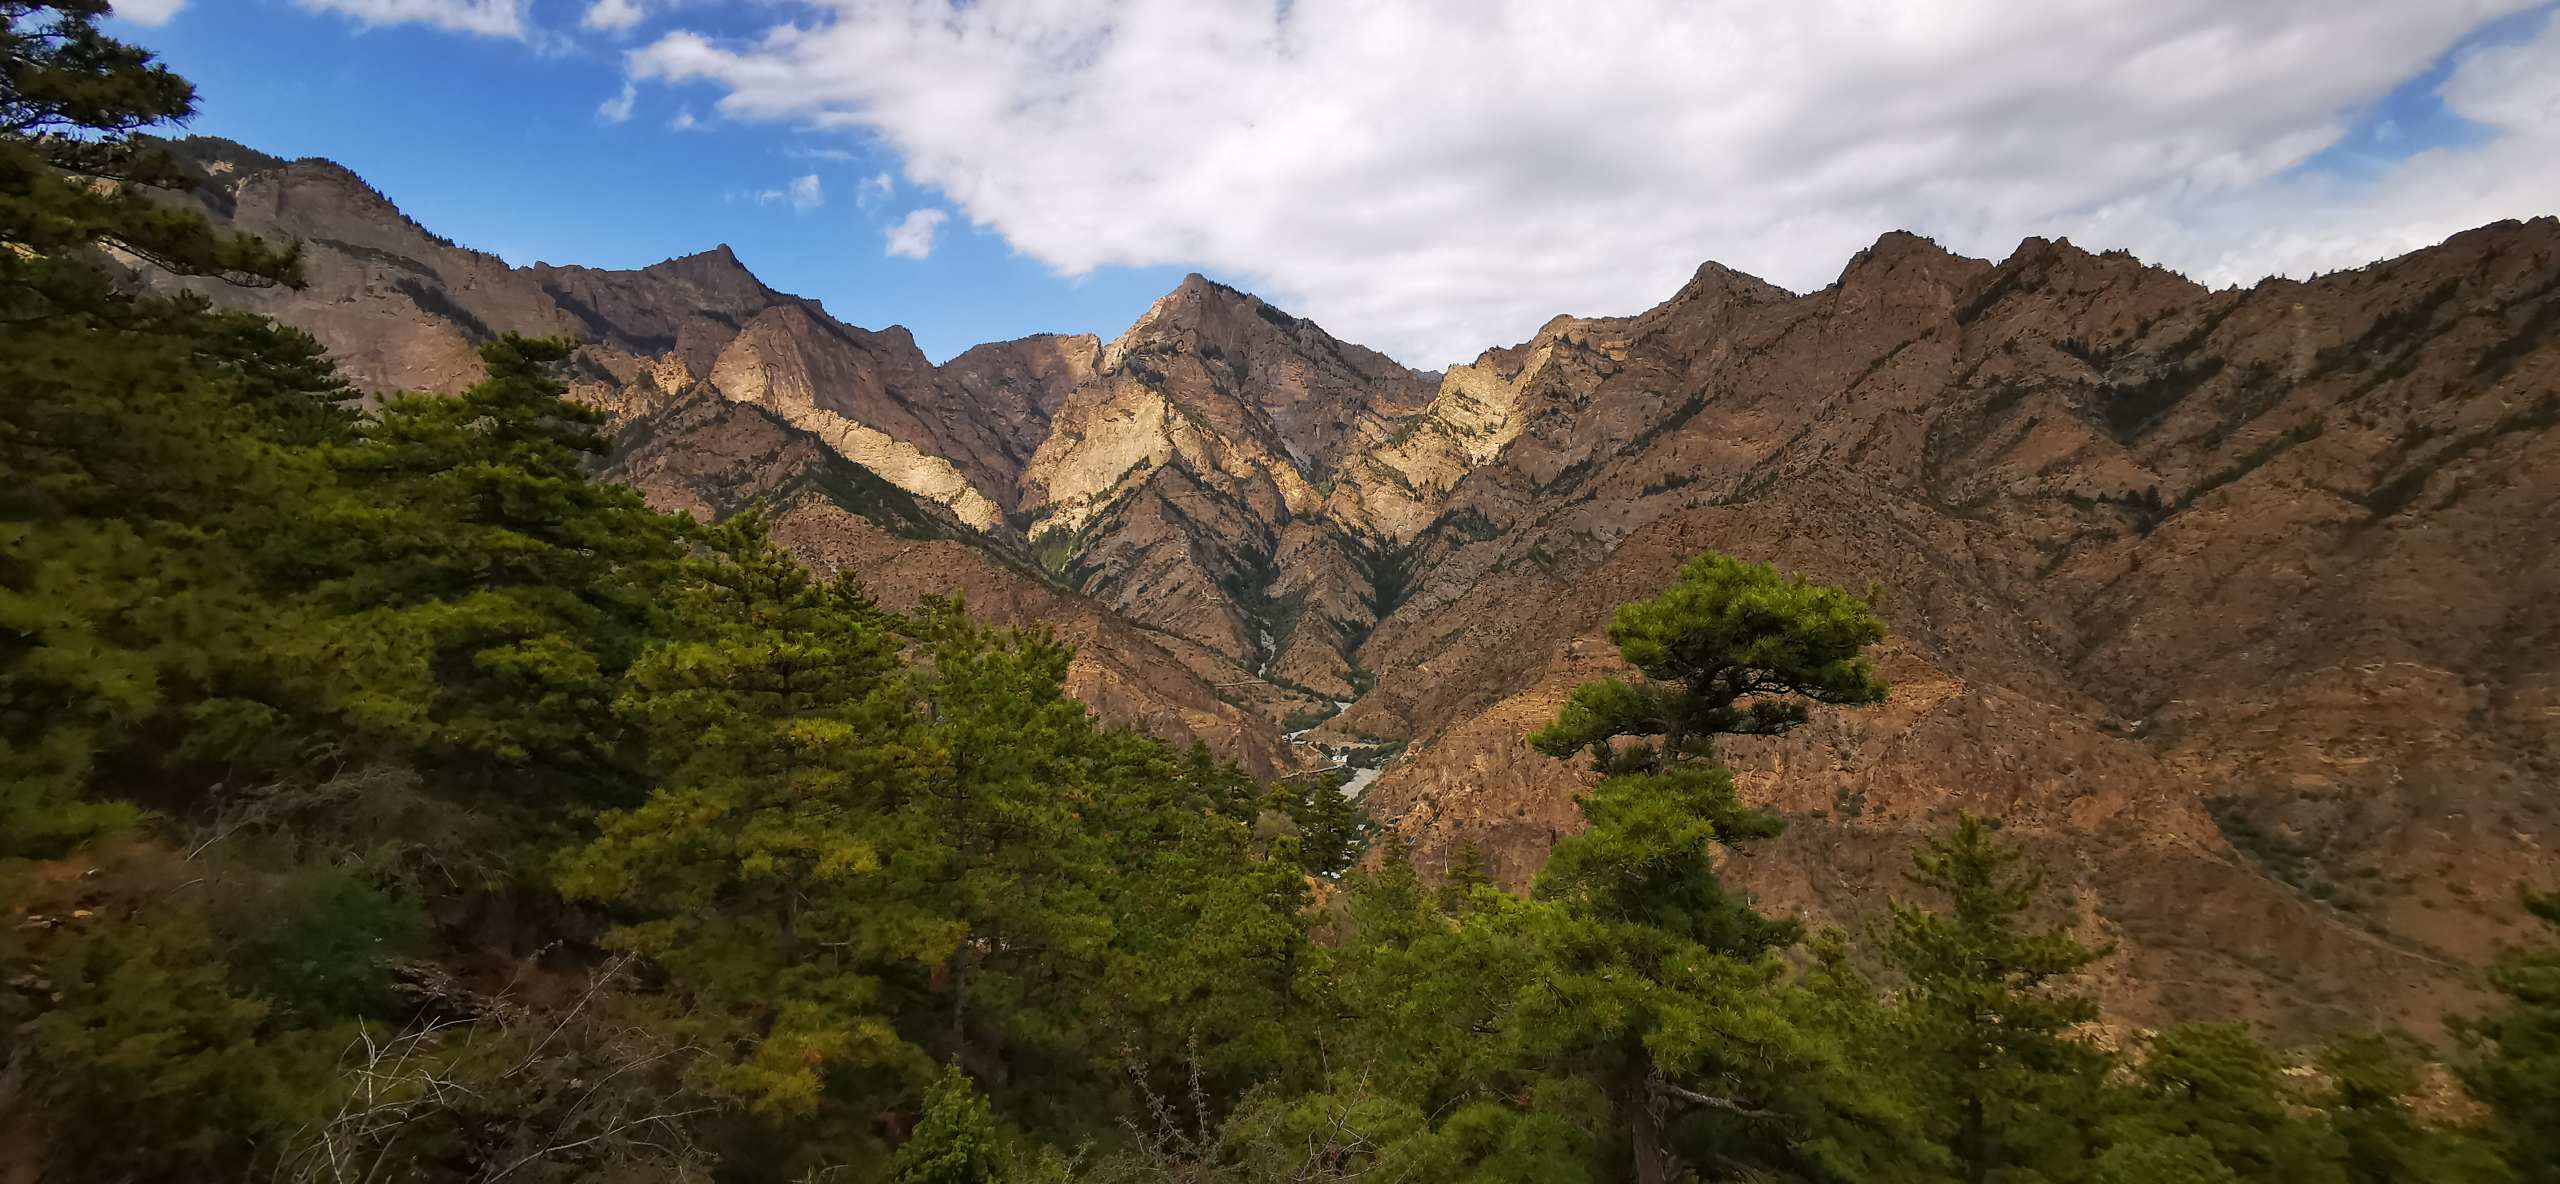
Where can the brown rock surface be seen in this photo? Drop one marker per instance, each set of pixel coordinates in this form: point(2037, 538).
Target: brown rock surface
point(710, 458)
point(1189, 478)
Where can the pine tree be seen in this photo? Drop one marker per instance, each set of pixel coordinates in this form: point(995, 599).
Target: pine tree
point(1451, 1020)
point(75, 176)
point(956, 1141)
point(129, 433)
point(1009, 808)
point(2212, 1090)
point(492, 590)
point(1660, 982)
point(1210, 915)
point(783, 865)
point(2371, 1077)
point(2515, 1063)
point(1385, 903)
point(1466, 874)
point(1731, 648)
point(1331, 826)
point(1990, 1013)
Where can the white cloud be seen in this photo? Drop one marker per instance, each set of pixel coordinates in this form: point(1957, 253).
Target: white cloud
point(2302, 223)
point(683, 120)
point(613, 16)
point(489, 18)
point(876, 188)
point(1437, 176)
point(802, 194)
point(618, 108)
point(148, 13)
point(912, 237)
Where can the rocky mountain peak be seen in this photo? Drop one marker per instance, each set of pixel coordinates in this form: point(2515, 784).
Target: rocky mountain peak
point(2047, 282)
point(1200, 311)
point(1555, 326)
point(1905, 277)
point(1900, 257)
point(2519, 249)
point(1228, 357)
point(717, 266)
point(1714, 280)
point(1016, 387)
point(2064, 264)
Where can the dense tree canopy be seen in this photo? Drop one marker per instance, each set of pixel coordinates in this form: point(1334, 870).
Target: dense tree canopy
point(2515, 1061)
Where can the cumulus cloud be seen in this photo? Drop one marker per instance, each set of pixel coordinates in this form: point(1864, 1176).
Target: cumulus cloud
point(805, 194)
point(876, 188)
point(1437, 176)
point(618, 108)
point(912, 237)
point(2302, 222)
point(802, 194)
point(150, 13)
point(613, 16)
point(488, 18)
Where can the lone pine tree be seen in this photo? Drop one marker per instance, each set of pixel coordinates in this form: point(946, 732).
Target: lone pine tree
point(1990, 1013)
point(1661, 985)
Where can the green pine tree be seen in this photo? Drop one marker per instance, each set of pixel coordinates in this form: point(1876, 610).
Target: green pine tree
point(1385, 904)
point(492, 590)
point(1210, 914)
point(1991, 1014)
point(2212, 1090)
point(1660, 989)
point(956, 1142)
point(1331, 826)
point(1466, 874)
point(2371, 1078)
point(782, 869)
point(133, 433)
point(75, 176)
point(1731, 648)
point(2515, 1063)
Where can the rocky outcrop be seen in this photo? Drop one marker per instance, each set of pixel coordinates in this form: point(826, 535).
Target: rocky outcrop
point(1195, 479)
point(710, 457)
point(827, 380)
point(404, 309)
point(1015, 387)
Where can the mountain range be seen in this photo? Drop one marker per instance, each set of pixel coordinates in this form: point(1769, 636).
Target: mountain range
point(2235, 605)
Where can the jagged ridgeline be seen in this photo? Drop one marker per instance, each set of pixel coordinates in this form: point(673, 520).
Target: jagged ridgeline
point(460, 721)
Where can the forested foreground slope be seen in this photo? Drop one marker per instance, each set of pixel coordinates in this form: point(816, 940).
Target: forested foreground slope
point(385, 795)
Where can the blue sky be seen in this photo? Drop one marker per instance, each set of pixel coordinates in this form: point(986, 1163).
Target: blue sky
point(2413, 117)
point(1433, 177)
point(498, 145)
